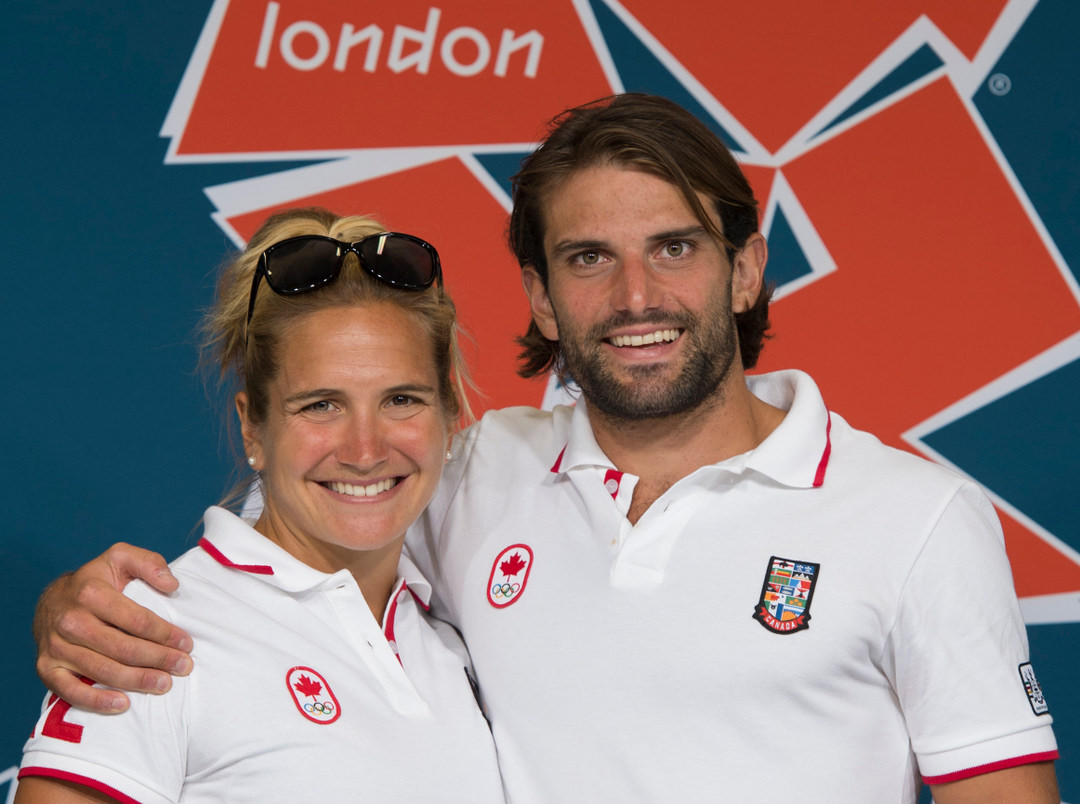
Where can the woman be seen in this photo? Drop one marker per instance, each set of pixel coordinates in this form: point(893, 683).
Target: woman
point(318, 675)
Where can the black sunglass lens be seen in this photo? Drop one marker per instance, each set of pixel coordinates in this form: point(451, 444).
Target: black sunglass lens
point(399, 260)
point(298, 265)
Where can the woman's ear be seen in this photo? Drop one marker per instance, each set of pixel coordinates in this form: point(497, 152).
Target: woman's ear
point(249, 432)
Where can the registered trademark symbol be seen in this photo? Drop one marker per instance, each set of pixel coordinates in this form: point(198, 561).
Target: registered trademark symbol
point(999, 84)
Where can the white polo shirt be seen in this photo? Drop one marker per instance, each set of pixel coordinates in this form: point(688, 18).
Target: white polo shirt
point(297, 693)
point(823, 618)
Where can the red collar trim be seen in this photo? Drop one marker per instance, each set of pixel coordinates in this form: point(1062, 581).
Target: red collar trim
point(558, 461)
point(217, 555)
point(823, 464)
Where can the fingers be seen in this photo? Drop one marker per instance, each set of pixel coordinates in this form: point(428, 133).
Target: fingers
point(116, 660)
point(71, 688)
point(85, 626)
point(125, 562)
point(108, 607)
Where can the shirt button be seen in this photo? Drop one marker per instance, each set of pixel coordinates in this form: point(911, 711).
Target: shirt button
point(612, 485)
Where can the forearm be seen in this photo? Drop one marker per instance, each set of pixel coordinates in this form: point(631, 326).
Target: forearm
point(1027, 784)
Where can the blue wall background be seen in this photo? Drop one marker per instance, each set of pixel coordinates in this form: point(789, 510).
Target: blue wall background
point(108, 255)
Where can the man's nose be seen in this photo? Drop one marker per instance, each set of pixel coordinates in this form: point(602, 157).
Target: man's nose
point(636, 286)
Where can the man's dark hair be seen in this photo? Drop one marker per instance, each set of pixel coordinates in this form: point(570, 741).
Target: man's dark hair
point(658, 137)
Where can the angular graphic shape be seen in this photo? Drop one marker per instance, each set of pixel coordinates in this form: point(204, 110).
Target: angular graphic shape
point(502, 167)
point(922, 62)
point(641, 71)
point(342, 77)
point(1037, 122)
point(1008, 445)
point(775, 65)
point(787, 260)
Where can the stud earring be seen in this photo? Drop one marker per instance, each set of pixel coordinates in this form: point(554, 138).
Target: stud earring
point(251, 460)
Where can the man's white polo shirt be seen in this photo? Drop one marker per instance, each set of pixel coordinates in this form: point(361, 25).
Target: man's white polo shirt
point(297, 693)
point(821, 619)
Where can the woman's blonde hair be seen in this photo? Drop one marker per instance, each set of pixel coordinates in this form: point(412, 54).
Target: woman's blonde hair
point(247, 353)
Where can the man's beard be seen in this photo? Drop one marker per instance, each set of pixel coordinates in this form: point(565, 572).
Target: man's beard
point(708, 353)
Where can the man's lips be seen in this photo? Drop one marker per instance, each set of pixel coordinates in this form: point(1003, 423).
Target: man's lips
point(645, 339)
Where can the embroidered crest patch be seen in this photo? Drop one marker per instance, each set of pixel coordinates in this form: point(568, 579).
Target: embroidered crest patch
point(312, 695)
point(784, 605)
point(509, 574)
point(1034, 692)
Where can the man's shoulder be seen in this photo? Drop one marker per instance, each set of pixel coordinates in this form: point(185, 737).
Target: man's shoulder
point(861, 454)
point(849, 447)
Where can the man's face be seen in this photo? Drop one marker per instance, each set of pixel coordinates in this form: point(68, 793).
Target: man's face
point(639, 295)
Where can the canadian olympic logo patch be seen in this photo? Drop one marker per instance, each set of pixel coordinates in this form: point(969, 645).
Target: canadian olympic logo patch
point(312, 695)
point(509, 574)
point(784, 605)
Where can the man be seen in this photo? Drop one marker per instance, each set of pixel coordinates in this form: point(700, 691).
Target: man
point(692, 585)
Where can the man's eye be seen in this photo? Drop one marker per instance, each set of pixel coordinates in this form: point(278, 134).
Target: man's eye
point(322, 406)
point(589, 258)
point(401, 400)
point(676, 248)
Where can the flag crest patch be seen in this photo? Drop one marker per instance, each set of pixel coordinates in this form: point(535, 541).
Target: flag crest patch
point(786, 594)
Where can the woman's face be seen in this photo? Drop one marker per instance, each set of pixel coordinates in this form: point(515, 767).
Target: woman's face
point(355, 436)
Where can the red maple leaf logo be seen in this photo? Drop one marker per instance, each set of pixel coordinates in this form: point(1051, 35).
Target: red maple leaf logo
point(308, 687)
point(512, 566)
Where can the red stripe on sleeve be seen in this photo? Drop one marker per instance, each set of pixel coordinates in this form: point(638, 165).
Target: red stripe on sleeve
point(979, 770)
point(85, 781)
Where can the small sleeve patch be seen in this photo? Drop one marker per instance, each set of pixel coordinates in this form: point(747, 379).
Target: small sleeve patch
point(1033, 690)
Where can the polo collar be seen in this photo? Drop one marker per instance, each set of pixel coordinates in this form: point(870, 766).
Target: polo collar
point(795, 454)
point(235, 544)
point(579, 448)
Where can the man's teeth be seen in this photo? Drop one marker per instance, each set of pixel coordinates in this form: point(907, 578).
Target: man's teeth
point(362, 491)
point(660, 336)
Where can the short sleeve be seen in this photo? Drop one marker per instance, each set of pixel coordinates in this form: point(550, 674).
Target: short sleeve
point(959, 652)
point(138, 755)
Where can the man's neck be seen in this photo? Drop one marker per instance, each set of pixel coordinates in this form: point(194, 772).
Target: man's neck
point(663, 450)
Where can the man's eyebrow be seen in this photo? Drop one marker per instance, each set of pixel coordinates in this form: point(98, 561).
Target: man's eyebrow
point(675, 234)
point(564, 247)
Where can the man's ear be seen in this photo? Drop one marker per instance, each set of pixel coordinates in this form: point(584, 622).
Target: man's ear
point(539, 303)
point(748, 273)
point(249, 432)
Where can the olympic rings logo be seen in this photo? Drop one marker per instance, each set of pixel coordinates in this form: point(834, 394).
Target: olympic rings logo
point(319, 708)
point(505, 589)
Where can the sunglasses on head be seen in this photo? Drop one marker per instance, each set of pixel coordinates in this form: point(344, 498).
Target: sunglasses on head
point(309, 262)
